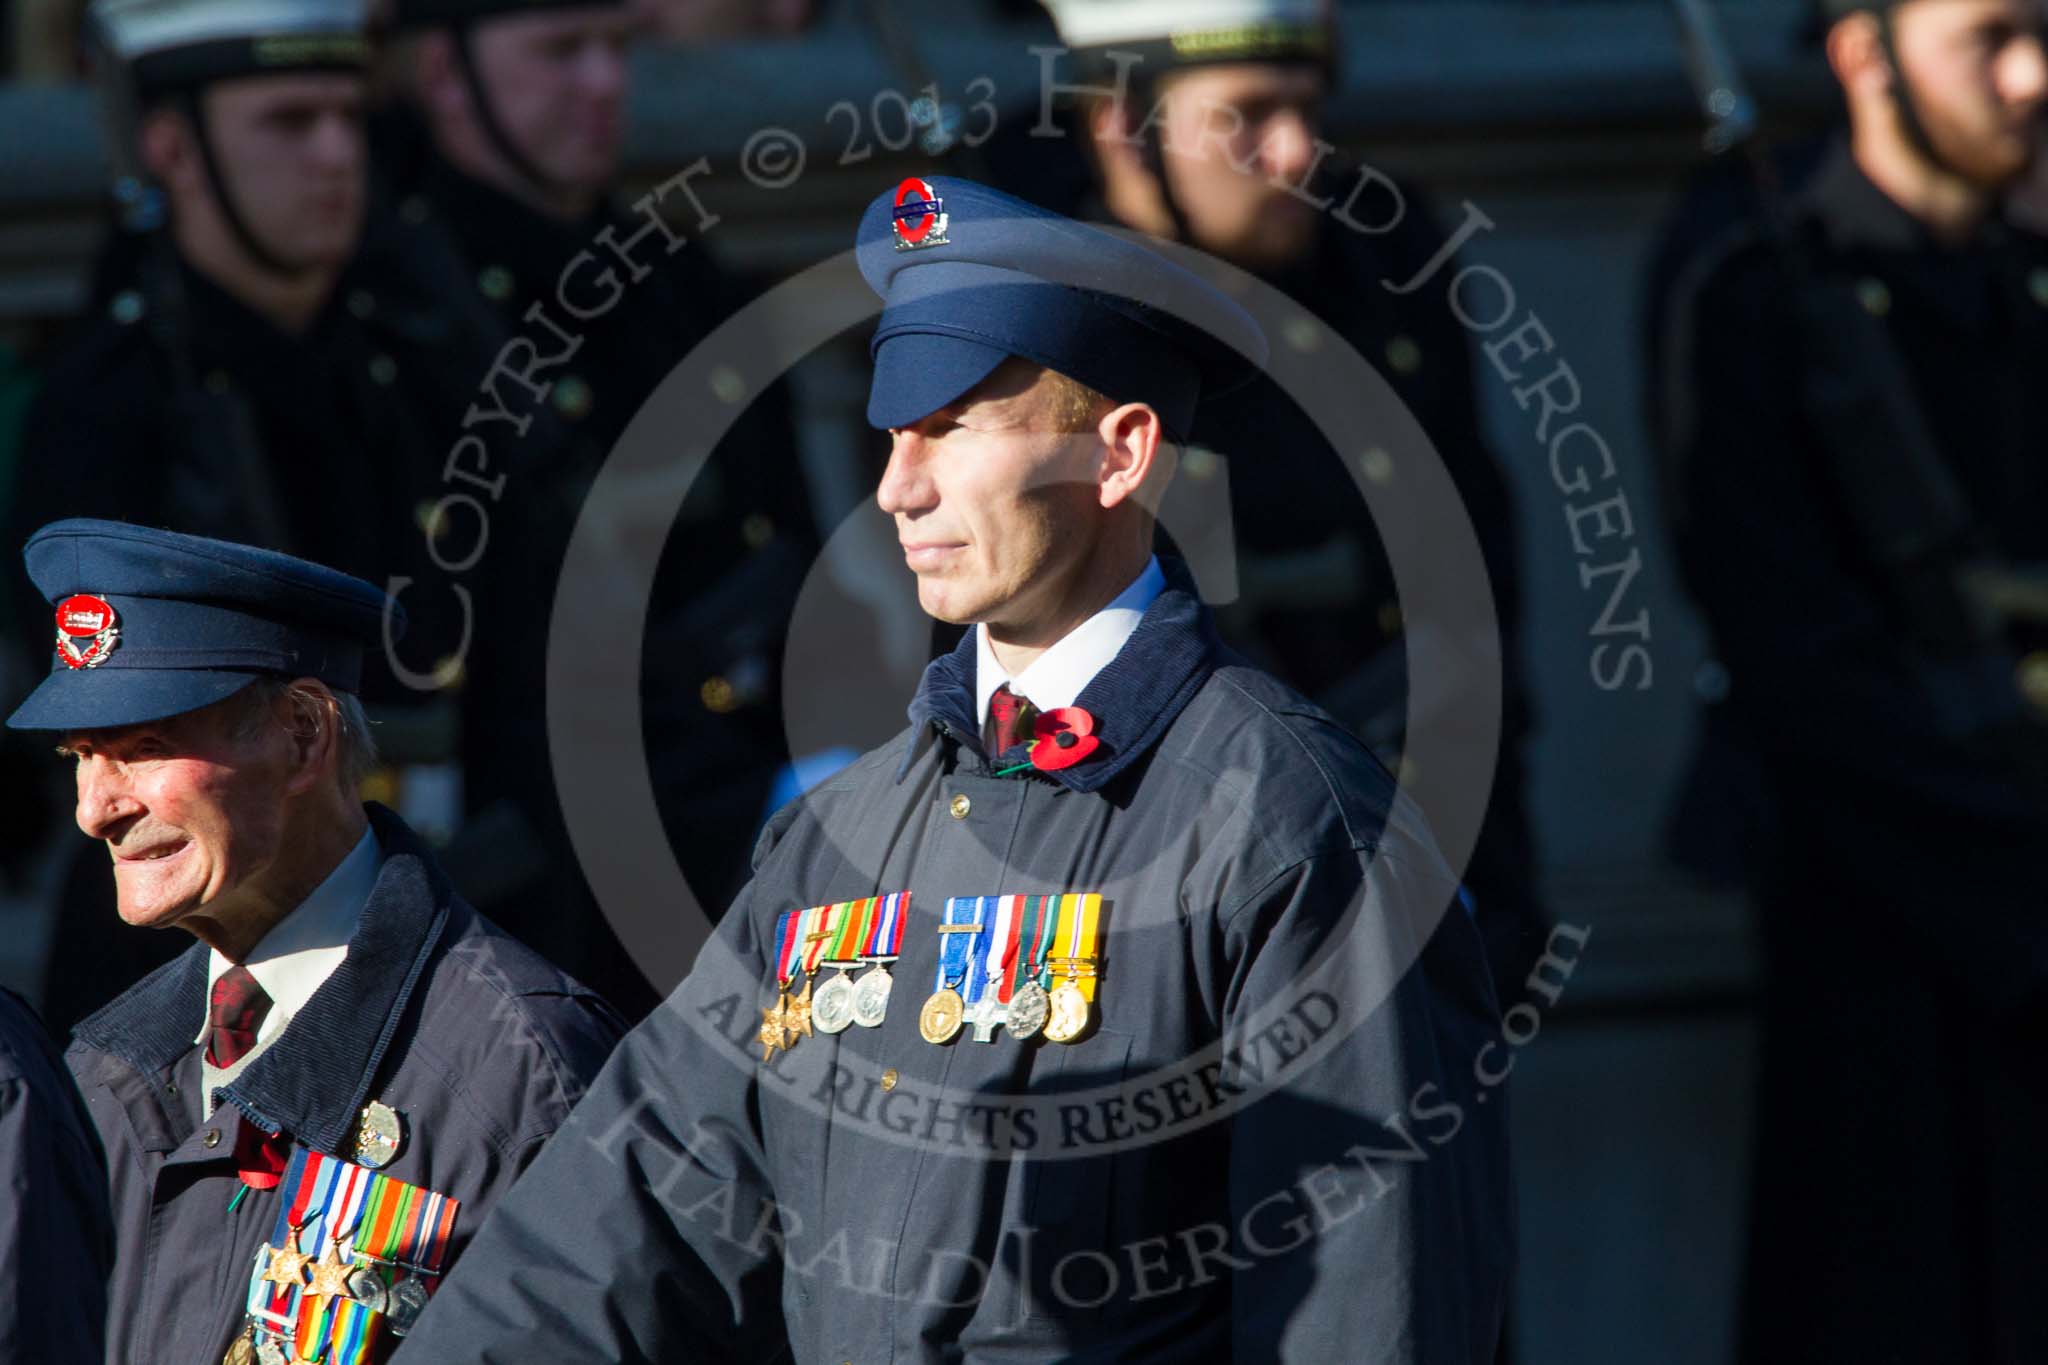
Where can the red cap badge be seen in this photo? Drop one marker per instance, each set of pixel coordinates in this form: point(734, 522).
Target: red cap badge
point(919, 217)
point(87, 630)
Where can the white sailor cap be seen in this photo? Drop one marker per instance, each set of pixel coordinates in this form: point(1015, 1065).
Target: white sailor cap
point(1191, 32)
point(180, 44)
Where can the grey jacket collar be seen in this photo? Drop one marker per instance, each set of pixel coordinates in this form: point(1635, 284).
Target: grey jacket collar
point(313, 1080)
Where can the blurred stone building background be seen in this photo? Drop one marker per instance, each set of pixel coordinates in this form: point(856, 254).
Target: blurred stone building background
point(1570, 125)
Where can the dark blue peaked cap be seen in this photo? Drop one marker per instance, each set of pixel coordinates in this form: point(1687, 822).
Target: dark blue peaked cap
point(153, 623)
point(970, 276)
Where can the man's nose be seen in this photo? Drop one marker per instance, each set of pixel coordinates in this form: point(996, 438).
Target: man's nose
point(906, 486)
point(602, 70)
point(2022, 72)
point(338, 141)
point(105, 797)
point(1288, 146)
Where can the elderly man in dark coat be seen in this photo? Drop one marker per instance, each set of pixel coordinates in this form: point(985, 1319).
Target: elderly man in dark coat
point(308, 1114)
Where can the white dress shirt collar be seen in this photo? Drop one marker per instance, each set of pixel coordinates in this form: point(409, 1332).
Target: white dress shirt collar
point(1058, 676)
point(300, 952)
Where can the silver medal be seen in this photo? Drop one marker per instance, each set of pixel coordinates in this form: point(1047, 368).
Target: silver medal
point(871, 998)
point(268, 1352)
point(380, 1135)
point(1028, 1010)
point(366, 1287)
point(984, 1016)
point(408, 1300)
point(832, 1006)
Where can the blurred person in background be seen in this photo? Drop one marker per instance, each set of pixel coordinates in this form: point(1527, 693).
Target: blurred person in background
point(502, 154)
point(698, 21)
point(41, 38)
point(233, 377)
point(1855, 432)
point(1218, 143)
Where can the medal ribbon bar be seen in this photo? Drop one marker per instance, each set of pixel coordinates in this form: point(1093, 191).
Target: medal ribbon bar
point(384, 1220)
point(885, 927)
point(1080, 914)
point(1041, 923)
point(816, 931)
point(852, 932)
point(986, 969)
point(1002, 948)
point(963, 914)
point(787, 946)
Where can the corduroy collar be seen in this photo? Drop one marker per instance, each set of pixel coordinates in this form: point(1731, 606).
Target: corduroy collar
point(1133, 699)
point(313, 1080)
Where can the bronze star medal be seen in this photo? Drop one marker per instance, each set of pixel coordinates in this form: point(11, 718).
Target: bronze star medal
point(330, 1278)
point(774, 1026)
point(799, 1016)
point(288, 1263)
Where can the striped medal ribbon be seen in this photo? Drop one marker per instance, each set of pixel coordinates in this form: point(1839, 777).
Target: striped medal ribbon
point(884, 945)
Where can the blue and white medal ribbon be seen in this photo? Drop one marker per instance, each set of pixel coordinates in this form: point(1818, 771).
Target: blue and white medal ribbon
point(959, 937)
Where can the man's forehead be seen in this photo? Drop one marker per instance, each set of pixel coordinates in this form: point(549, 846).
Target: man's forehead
point(1245, 81)
point(257, 94)
point(116, 735)
point(570, 21)
point(186, 725)
point(2030, 13)
point(1017, 389)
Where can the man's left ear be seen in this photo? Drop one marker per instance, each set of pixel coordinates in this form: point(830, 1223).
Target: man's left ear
point(1135, 458)
point(313, 723)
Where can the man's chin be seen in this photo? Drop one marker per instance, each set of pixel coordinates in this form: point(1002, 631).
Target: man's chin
point(152, 914)
point(1276, 238)
point(147, 899)
point(948, 607)
point(329, 255)
point(587, 171)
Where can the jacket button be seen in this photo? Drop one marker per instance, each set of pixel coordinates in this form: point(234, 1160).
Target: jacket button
point(212, 1138)
point(889, 1079)
point(961, 805)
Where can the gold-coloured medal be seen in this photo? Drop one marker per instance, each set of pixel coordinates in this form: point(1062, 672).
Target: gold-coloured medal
point(330, 1278)
point(797, 1018)
point(1069, 1014)
point(288, 1263)
point(940, 1018)
point(774, 1026)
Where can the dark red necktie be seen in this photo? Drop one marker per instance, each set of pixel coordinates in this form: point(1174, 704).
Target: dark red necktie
point(234, 1015)
point(1009, 719)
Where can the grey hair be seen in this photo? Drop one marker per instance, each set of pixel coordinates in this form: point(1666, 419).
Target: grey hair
point(355, 746)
